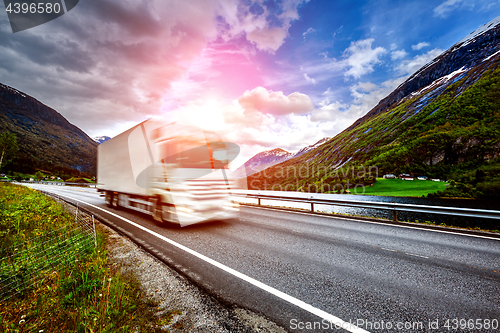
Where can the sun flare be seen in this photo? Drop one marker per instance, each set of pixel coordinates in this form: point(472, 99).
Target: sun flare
point(206, 115)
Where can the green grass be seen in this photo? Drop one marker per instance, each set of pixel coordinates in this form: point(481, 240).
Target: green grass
point(402, 188)
point(85, 294)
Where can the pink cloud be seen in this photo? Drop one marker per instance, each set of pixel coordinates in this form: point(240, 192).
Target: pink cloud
point(127, 57)
point(275, 102)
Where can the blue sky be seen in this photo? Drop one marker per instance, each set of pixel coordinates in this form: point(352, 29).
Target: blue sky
point(264, 73)
point(402, 31)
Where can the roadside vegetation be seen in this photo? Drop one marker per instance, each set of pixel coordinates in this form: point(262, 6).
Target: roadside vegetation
point(402, 188)
point(45, 176)
point(85, 294)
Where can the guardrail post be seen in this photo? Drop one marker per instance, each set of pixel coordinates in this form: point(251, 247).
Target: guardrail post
point(312, 207)
point(395, 216)
point(258, 201)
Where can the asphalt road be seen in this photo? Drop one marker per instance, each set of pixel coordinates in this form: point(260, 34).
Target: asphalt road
point(382, 278)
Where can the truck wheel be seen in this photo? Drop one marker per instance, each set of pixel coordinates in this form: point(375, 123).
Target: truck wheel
point(157, 209)
point(169, 215)
point(112, 200)
point(163, 212)
point(108, 197)
point(116, 201)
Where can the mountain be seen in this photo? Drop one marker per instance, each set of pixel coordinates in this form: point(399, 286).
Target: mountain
point(311, 147)
point(262, 161)
point(443, 122)
point(269, 158)
point(45, 138)
point(478, 47)
point(101, 139)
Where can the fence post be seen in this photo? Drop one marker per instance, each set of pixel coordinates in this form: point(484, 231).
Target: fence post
point(76, 214)
point(93, 225)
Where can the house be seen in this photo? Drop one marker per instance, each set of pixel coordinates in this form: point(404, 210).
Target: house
point(422, 177)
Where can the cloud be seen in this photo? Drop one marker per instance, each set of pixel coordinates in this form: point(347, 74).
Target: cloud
point(309, 31)
point(258, 120)
point(398, 54)
point(339, 30)
point(444, 8)
point(308, 79)
point(275, 102)
point(408, 67)
point(361, 57)
point(420, 45)
point(266, 28)
point(118, 60)
point(366, 95)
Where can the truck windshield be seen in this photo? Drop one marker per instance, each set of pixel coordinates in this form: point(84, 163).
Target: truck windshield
point(189, 152)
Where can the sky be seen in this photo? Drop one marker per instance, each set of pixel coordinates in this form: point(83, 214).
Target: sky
point(264, 74)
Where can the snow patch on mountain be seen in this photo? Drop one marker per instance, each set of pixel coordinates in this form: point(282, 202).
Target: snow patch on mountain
point(476, 33)
point(456, 75)
point(491, 56)
point(262, 161)
point(272, 157)
point(311, 147)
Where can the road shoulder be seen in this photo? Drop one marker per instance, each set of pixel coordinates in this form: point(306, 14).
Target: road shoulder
point(190, 309)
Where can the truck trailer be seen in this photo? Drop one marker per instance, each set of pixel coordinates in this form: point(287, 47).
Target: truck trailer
point(176, 173)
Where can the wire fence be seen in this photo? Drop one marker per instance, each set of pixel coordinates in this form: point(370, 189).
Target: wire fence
point(27, 264)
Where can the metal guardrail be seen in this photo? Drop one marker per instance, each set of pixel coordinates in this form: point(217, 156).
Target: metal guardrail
point(394, 207)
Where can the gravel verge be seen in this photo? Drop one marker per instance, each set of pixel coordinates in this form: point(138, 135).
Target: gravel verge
point(191, 309)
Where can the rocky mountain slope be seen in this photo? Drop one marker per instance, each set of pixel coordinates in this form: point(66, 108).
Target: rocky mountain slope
point(262, 161)
point(479, 46)
point(443, 121)
point(311, 147)
point(46, 139)
point(269, 158)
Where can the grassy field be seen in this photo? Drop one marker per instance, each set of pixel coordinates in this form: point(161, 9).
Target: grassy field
point(402, 188)
point(83, 294)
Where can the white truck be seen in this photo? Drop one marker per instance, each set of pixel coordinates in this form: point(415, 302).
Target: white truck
point(176, 173)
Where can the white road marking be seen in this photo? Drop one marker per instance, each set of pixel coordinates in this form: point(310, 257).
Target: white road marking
point(389, 250)
point(416, 255)
point(410, 254)
point(297, 302)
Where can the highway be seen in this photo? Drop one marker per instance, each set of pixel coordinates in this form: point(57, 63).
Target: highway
point(297, 268)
